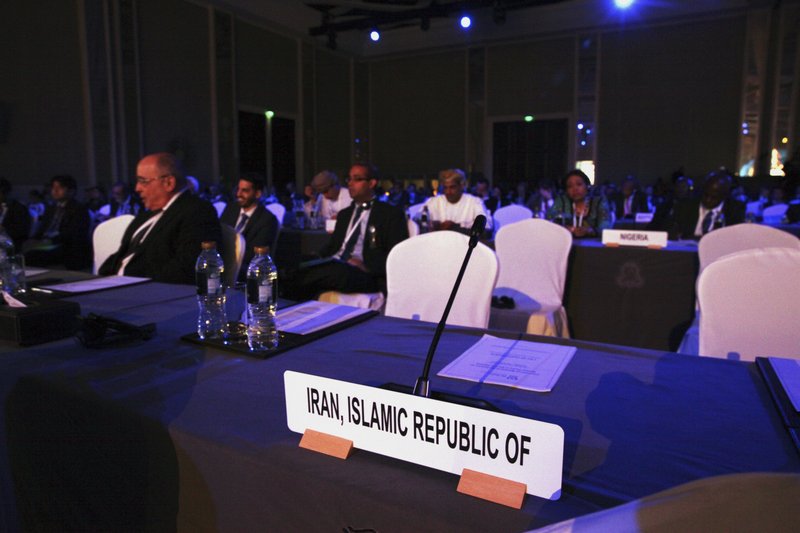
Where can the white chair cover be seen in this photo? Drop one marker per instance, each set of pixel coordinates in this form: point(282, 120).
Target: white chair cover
point(278, 210)
point(774, 213)
point(421, 271)
point(754, 208)
point(107, 237)
point(750, 302)
point(414, 210)
point(510, 214)
point(413, 228)
point(220, 207)
point(533, 257)
point(233, 245)
point(724, 241)
point(366, 300)
point(730, 239)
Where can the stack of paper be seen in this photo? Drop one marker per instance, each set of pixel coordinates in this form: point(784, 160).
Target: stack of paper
point(525, 365)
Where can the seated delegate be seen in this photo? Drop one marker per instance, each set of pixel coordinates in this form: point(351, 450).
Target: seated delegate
point(582, 215)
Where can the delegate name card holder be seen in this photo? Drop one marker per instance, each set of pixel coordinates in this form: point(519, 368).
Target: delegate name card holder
point(499, 457)
point(629, 237)
point(42, 320)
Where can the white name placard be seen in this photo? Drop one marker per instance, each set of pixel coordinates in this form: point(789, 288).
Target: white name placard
point(629, 237)
point(428, 432)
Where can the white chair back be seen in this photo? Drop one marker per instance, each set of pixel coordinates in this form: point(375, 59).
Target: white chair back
point(220, 207)
point(278, 210)
point(413, 228)
point(415, 210)
point(750, 302)
point(730, 239)
point(107, 237)
point(774, 213)
point(420, 273)
point(754, 208)
point(533, 257)
point(510, 214)
point(233, 246)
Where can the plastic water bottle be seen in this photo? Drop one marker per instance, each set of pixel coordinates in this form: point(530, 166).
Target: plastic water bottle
point(425, 220)
point(212, 322)
point(262, 301)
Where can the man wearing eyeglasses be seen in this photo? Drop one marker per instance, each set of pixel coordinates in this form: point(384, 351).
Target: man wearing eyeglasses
point(356, 255)
point(162, 242)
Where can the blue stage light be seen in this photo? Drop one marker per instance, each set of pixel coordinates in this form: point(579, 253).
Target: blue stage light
point(375, 35)
point(623, 4)
point(466, 22)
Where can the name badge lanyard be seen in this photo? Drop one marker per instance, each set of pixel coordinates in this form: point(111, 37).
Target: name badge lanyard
point(579, 221)
point(353, 225)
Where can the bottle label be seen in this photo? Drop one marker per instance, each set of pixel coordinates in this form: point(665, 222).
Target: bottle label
point(258, 294)
point(202, 285)
point(214, 285)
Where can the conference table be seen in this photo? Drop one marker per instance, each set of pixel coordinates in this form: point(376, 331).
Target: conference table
point(165, 435)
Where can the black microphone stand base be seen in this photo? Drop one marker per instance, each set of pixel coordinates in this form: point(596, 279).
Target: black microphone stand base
point(446, 397)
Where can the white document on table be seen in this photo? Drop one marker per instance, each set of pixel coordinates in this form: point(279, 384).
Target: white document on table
point(95, 284)
point(788, 372)
point(313, 316)
point(534, 366)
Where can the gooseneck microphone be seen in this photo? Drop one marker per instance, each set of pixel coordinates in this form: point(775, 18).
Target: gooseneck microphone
point(422, 387)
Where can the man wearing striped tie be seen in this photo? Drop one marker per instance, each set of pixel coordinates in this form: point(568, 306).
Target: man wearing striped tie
point(248, 217)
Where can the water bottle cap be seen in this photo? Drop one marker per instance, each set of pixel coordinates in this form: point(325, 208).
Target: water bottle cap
point(209, 245)
point(261, 250)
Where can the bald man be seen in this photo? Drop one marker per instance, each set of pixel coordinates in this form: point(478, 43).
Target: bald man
point(163, 242)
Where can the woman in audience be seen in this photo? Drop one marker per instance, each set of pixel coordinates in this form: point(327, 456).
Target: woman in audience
point(581, 215)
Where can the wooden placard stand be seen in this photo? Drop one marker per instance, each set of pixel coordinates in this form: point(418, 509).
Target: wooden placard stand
point(649, 246)
point(328, 444)
point(492, 488)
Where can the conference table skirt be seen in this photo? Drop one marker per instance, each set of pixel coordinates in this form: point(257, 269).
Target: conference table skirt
point(167, 435)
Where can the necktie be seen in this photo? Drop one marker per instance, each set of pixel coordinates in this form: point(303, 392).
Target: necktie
point(707, 222)
point(351, 242)
point(242, 222)
point(138, 237)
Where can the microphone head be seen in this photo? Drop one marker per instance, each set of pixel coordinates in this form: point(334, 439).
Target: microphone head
point(477, 230)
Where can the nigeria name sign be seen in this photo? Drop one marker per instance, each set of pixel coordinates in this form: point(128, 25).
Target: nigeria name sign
point(428, 432)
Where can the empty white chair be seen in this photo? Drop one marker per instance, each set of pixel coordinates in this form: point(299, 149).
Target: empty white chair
point(278, 210)
point(233, 245)
point(730, 239)
point(533, 257)
point(415, 210)
point(510, 214)
point(724, 241)
point(220, 207)
point(750, 302)
point(774, 214)
point(421, 271)
point(107, 237)
point(754, 208)
point(413, 228)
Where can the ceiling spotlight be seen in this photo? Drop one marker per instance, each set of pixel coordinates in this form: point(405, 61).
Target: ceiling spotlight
point(623, 4)
point(465, 22)
point(375, 36)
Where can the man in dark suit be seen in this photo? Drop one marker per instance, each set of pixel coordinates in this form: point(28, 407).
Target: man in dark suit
point(163, 242)
point(64, 233)
point(14, 217)
point(630, 200)
point(694, 217)
point(247, 216)
point(365, 233)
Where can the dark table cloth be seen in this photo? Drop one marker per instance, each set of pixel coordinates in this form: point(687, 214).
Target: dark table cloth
point(166, 435)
